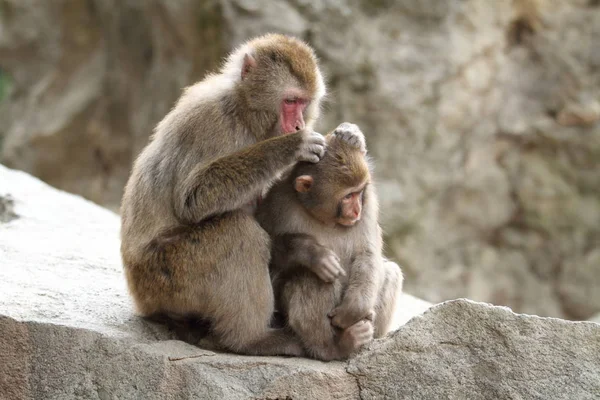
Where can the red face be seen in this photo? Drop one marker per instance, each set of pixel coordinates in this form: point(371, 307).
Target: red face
point(350, 208)
point(290, 115)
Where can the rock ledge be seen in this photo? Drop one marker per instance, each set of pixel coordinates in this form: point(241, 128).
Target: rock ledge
point(68, 331)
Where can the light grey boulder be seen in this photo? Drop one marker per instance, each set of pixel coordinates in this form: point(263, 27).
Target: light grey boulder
point(467, 350)
point(68, 331)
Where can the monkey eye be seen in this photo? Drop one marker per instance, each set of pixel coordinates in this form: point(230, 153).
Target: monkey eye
point(290, 101)
point(348, 196)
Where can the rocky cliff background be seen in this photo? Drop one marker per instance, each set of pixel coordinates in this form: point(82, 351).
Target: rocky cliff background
point(483, 118)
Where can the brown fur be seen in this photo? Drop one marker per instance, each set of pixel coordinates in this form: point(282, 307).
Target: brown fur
point(299, 57)
point(359, 302)
point(189, 246)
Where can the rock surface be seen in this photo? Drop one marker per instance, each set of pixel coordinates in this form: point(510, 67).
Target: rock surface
point(466, 350)
point(483, 119)
point(67, 331)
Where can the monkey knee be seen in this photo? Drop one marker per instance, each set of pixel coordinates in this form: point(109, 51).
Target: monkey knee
point(393, 275)
point(388, 298)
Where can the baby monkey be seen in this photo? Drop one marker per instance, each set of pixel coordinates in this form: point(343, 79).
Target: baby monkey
point(331, 282)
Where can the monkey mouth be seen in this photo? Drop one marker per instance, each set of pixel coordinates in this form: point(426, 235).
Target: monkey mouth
point(348, 222)
point(287, 129)
point(290, 123)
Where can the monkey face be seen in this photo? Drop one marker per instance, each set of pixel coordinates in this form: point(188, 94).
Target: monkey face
point(291, 115)
point(328, 204)
point(349, 208)
point(281, 79)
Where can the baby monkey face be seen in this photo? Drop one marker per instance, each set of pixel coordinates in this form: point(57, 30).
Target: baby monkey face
point(349, 208)
point(330, 203)
point(333, 191)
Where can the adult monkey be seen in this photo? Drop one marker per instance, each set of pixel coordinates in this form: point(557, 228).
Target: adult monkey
point(189, 246)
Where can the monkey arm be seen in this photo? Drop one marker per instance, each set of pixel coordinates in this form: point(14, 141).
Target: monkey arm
point(230, 182)
point(298, 249)
point(360, 297)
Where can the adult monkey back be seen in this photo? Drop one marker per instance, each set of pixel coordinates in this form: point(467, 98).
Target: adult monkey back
point(189, 245)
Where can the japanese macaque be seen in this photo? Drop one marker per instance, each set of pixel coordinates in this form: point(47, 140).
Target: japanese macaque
point(190, 248)
point(331, 282)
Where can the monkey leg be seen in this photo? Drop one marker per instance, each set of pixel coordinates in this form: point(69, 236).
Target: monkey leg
point(306, 300)
point(219, 270)
point(391, 288)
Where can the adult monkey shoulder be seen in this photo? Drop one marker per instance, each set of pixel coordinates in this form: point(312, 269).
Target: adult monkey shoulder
point(188, 247)
point(327, 252)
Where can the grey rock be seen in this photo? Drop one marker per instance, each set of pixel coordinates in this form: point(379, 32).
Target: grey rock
point(6, 209)
point(483, 120)
point(466, 350)
point(68, 331)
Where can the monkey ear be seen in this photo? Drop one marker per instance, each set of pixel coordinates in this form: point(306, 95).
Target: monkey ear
point(248, 65)
point(303, 183)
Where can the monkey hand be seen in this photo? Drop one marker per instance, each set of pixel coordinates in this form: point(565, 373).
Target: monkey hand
point(351, 134)
point(312, 148)
point(325, 264)
point(350, 312)
point(356, 336)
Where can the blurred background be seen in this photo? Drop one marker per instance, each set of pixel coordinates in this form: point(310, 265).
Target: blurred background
point(482, 116)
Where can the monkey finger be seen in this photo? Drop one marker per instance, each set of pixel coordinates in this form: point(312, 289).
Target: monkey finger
point(332, 313)
point(362, 332)
point(323, 272)
point(363, 327)
point(325, 276)
point(318, 150)
point(338, 321)
point(316, 137)
point(333, 267)
point(339, 271)
point(312, 158)
point(364, 337)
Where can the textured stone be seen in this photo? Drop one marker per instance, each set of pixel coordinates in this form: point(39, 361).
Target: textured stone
point(91, 79)
point(466, 350)
point(482, 118)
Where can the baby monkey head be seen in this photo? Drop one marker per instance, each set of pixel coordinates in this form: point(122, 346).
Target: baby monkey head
point(333, 190)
